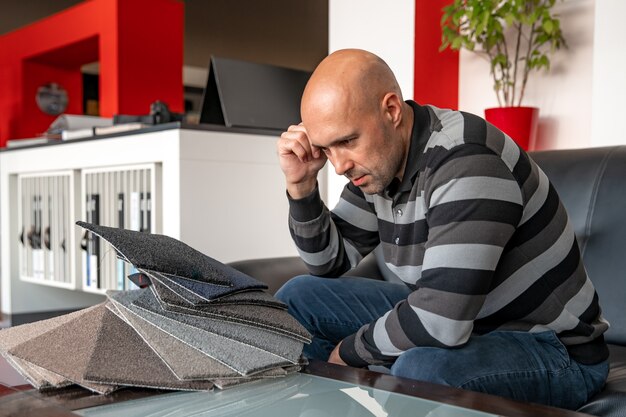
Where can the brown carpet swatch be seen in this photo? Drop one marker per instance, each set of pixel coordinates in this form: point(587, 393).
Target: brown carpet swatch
point(183, 360)
point(246, 360)
point(120, 356)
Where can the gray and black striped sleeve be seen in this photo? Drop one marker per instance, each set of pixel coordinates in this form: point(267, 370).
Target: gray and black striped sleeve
point(331, 243)
point(473, 206)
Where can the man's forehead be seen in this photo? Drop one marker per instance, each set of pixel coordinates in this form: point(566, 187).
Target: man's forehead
point(326, 134)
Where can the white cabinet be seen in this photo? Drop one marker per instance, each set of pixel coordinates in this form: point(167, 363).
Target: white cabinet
point(221, 192)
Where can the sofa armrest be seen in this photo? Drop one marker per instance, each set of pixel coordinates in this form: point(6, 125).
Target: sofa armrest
point(276, 271)
point(272, 271)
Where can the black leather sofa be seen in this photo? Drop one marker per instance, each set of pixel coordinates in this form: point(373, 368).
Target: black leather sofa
point(592, 185)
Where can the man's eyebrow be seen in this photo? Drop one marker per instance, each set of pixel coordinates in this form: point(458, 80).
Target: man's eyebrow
point(338, 140)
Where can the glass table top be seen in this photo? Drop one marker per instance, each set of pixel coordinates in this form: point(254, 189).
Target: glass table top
point(295, 395)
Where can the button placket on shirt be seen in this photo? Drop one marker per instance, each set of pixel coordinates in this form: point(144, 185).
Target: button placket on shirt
point(398, 213)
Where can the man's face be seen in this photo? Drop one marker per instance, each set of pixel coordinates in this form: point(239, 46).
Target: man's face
point(363, 146)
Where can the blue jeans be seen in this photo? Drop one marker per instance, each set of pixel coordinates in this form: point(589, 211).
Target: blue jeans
point(530, 367)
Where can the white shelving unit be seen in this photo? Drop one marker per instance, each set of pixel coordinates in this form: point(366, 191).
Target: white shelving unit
point(127, 197)
point(44, 220)
point(221, 192)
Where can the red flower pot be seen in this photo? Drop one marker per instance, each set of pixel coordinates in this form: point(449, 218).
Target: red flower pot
point(520, 123)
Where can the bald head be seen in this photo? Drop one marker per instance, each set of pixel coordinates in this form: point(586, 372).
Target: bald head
point(348, 80)
point(352, 110)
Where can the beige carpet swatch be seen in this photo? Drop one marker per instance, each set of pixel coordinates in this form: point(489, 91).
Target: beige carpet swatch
point(66, 349)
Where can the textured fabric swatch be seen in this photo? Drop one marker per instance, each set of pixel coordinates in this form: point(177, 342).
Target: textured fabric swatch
point(26, 370)
point(13, 336)
point(223, 383)
point(183, 360)
point(38, 377)
point(66, 349)
point(120, 356)
point(207, 291)
point(167, 293)
point(267, 318)
point(244, 359)
point(168, 255)
point(277, 344)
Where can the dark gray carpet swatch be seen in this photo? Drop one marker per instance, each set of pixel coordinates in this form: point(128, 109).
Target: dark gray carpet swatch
point(171, 297)
point(267, 318)
point(121, 357)
point(272, 342)
point(173, 293)
point(66, 350)
point(168, 255)
point(244, 359)
point(204, 290)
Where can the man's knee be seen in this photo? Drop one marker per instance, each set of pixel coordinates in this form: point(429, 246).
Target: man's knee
point(296, 289)
point(427, 364)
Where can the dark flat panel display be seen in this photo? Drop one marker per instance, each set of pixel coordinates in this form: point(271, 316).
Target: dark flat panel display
point(245, 94)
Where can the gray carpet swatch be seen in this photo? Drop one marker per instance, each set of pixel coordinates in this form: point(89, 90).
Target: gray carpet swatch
point(66, 350)
point(121, 357)
point(244, 359)
point(267, 318)
point(184, 361)
point(168, 255)
point(277, 344)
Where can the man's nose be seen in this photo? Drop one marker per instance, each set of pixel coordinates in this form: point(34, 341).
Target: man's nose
point(341, 163)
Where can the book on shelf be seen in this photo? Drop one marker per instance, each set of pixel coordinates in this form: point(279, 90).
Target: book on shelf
point(77, 134)
point(77, 121)
point(42, 140)
point(124, 127)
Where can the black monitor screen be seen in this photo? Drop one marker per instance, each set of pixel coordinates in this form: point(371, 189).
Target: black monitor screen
point(245, 94)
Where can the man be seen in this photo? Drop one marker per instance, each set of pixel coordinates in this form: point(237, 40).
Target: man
point(495, 297)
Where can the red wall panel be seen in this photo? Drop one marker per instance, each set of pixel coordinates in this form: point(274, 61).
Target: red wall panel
point(138, 43)
point(436, 73)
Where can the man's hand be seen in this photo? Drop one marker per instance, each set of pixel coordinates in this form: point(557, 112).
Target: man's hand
point(299, 160)
point(335, 358)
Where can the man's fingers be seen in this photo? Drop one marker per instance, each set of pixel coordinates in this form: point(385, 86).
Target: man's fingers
point(299, 141)
point(288, 146)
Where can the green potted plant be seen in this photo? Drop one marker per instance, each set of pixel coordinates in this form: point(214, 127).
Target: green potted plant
point(516, 37)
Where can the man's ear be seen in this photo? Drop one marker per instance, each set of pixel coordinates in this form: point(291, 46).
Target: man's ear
point(392, 108)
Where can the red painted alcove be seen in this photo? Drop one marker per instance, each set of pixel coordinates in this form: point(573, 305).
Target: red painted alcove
point(138, 43)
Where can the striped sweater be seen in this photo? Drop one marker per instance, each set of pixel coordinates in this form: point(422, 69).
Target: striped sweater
point(477, 232)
